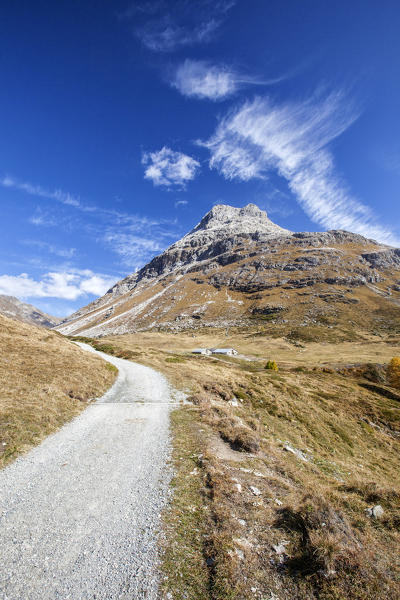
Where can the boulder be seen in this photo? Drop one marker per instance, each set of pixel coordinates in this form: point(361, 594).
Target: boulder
point(375, 512)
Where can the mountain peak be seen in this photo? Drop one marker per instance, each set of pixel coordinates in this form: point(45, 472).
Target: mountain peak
point(236, 267)
point(249, 219)
point(15, 309)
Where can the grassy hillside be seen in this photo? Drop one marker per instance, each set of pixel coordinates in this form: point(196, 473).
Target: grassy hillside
point(45, 380)
point(275, 471)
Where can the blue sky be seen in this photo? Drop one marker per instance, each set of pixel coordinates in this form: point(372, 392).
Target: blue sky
point(122, 123)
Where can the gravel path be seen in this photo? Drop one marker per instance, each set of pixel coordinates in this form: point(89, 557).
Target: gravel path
point(79, 514)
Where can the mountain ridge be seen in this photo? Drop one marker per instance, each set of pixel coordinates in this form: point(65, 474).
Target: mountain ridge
point(236, 264)
point(13, 308)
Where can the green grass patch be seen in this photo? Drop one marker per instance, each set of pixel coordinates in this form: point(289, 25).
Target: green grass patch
point(106, 348)
point(175, 359)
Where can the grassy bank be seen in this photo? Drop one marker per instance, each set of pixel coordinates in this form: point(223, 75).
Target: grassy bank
point(45, 381)
point(275, 471)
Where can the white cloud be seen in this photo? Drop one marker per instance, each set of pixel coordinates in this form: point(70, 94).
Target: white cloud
point(66, 285)
point(166, 30)
point(202, 79)
point(169, 168)
point(181, 203)
point(291, 139)
point(96, 284)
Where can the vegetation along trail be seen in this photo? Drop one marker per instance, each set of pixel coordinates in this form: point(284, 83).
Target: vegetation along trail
point(80, 513)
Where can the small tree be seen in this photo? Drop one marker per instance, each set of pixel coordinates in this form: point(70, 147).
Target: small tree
point(271, 365)
point(393, 372)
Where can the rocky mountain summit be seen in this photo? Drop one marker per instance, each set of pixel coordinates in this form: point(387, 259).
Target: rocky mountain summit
point(223, 219)
point(15, 309)
point(237, 267)
point(214, 235)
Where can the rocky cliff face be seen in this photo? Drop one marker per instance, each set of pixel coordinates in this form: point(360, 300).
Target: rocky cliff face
point(236, 267)
point(216, 234)
point(15, 309)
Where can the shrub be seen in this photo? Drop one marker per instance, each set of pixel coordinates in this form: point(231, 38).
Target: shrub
point(326, 538)
point(126, 354)
point(374, 372)
point(372, 493)
point(80, 338)
point(231, 428)
point(175, 359)
point(271, 365)
point(239, 436)
point(393, 372)
point(216, 389)
point(240, 394)
point(106, 348)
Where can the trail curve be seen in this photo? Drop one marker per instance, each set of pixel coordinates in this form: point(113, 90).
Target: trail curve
point(79, 514)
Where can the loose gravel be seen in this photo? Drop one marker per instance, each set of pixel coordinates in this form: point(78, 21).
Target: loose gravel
point(80, 514)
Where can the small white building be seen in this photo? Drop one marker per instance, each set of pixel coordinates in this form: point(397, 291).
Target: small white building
point(201, 351)
point(226, 351)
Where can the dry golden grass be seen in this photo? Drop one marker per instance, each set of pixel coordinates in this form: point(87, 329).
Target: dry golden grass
point(185, 527)
point(258, 345)
point(315, 502)
point(45, 380)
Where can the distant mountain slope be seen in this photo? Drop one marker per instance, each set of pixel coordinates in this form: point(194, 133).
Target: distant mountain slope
point(15, 309)
point(236, 267)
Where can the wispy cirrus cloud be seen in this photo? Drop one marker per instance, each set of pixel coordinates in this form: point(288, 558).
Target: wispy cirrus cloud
point(205, 80)
point(67, 285)
point(181, 203)
point(172, 25)
point(41, 218)
point(137, 239)
point(167, 36)
point(40, 192)
point(133, 248)
point(169, 168)
point(292, 140)
point(51, 248)
point(134, 238)
point(388, 158)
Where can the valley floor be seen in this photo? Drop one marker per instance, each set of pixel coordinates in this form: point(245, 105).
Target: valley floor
point(285, 483)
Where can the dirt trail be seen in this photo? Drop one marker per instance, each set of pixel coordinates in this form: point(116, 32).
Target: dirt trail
point(79, 514)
